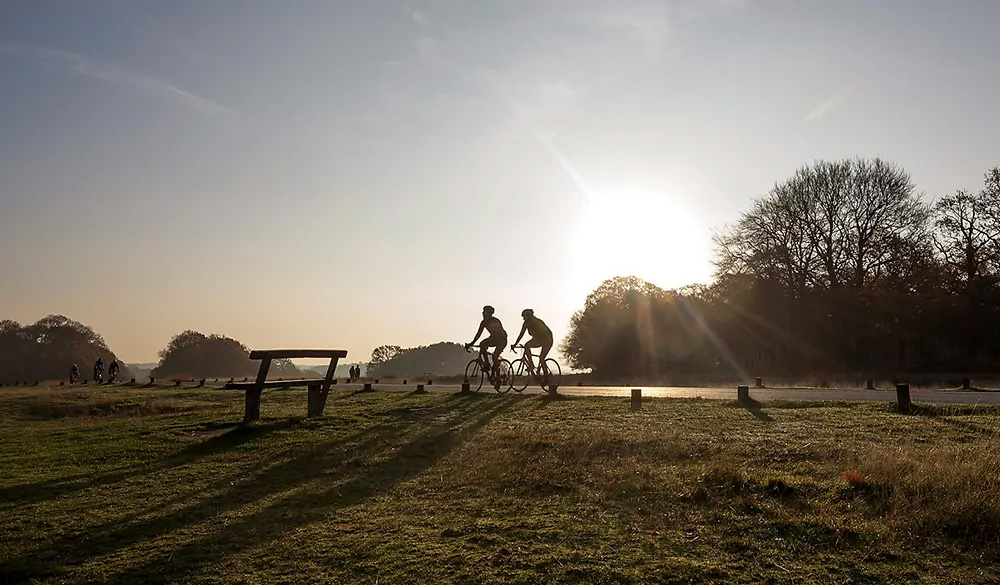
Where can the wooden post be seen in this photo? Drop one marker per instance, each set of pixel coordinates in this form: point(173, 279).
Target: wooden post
point(870, 384)
point(376, 380)
point(636, 398)
point(903, 398)
point(152, 380)
point(317, 400)
point(966, 384)
point(429, 382)
point(177, 382)
point(329, 379)
point(760, 382)
point(251, 412)
point(367, 387)
point(404, 381)
point(201, 383)
point(420, 389)
point(466, 388)
point(61, 383)
point(132, 381)
point(743, 393)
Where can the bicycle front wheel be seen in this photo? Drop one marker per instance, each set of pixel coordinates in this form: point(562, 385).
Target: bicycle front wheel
point(474, 375)
point(551, 375)
point(520, 375)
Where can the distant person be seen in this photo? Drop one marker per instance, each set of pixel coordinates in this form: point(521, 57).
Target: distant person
point(353, 374)
point(497, 338)
point(113, 371)
point(541, 336)
point(99, 370)
point(74, 373)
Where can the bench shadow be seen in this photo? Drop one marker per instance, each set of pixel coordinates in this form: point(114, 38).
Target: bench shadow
point(237, 435)
point(338, 458)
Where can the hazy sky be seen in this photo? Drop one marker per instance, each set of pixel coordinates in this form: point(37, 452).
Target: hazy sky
point(351, 173)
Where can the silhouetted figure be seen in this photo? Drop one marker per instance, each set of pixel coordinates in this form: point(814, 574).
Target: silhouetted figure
point(113, 371)
point(541, 336)
point(497, 338)
point(99, 370)
point(74, 373)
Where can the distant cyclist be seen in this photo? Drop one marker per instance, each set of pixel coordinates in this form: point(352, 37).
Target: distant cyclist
point(99, 370)
point(74, 373)
point(497, 338)
point(541, 336)
point(113, 371)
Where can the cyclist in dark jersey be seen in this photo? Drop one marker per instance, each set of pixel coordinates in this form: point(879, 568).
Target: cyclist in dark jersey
point(541, 336)
point(497, 338)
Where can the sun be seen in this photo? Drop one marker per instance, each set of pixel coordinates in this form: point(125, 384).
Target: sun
point(642, 233)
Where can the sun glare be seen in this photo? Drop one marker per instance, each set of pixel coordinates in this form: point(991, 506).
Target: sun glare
point(641, 233)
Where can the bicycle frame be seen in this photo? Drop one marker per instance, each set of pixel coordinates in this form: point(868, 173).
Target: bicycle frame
point(526, 353)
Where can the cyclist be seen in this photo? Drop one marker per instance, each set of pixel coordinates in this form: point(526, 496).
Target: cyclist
point(497, 338)
point(99, 370)
point(541, 336)
point(74, 373)
point(113, 371)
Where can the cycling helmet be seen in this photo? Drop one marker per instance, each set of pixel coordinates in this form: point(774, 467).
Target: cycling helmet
point(527, 312)
point(489, 310)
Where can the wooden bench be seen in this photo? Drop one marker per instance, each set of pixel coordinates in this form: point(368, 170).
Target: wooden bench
point(318, 388)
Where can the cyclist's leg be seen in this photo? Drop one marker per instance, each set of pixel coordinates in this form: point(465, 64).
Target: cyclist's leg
point(501, 344)
point(529, 345)
point(546, 345)
point(484, 352)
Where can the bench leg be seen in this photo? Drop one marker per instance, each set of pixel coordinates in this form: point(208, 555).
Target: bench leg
point(252, 410)
point(317, 400)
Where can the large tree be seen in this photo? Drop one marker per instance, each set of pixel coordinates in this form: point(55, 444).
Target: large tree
point(191, 354)
point(48, 348)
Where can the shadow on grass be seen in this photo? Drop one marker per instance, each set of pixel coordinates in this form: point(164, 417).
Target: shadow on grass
point(402, 451)
point(33, 493)
point(753, 407)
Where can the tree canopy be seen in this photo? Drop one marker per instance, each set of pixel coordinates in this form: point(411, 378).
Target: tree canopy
point(842, 267)
point(191, 354)
point(47, 349)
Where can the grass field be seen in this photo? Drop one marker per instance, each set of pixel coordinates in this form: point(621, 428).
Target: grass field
point(157, 485)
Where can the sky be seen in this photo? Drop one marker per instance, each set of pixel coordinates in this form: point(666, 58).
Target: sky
point(350, 174)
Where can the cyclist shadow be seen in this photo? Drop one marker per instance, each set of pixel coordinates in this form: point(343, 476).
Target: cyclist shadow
point(548, 398)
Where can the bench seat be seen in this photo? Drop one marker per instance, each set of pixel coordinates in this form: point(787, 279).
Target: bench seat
point(274, 384)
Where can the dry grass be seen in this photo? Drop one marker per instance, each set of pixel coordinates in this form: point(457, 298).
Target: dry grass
point(939, 490)
point(395, 487)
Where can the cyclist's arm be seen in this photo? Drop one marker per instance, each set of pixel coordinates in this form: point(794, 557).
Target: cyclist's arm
point(521, 334)
point(482, 326)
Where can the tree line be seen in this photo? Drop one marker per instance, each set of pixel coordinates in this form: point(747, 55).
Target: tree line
point(840, 268)
point(46, 350)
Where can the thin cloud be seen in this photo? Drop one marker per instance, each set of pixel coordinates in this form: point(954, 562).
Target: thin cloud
point(829, 105)
point(84, 66)
point(419, 17)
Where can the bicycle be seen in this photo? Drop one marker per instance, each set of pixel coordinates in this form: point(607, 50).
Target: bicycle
point(548, 376)
point(476, 371)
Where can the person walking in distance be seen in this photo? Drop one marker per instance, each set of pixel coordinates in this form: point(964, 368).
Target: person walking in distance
point(497, 338)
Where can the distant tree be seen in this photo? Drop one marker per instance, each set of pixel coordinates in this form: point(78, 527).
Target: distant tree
point(381, 355)
point(47, 349)
point(629, 327)
point(196, 355)
point(444, 358)
point(967, 240)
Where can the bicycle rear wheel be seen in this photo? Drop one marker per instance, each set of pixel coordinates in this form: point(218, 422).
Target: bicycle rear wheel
point(474, 375)
point(520, 375)
point(553, 377)
point(501, 380)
